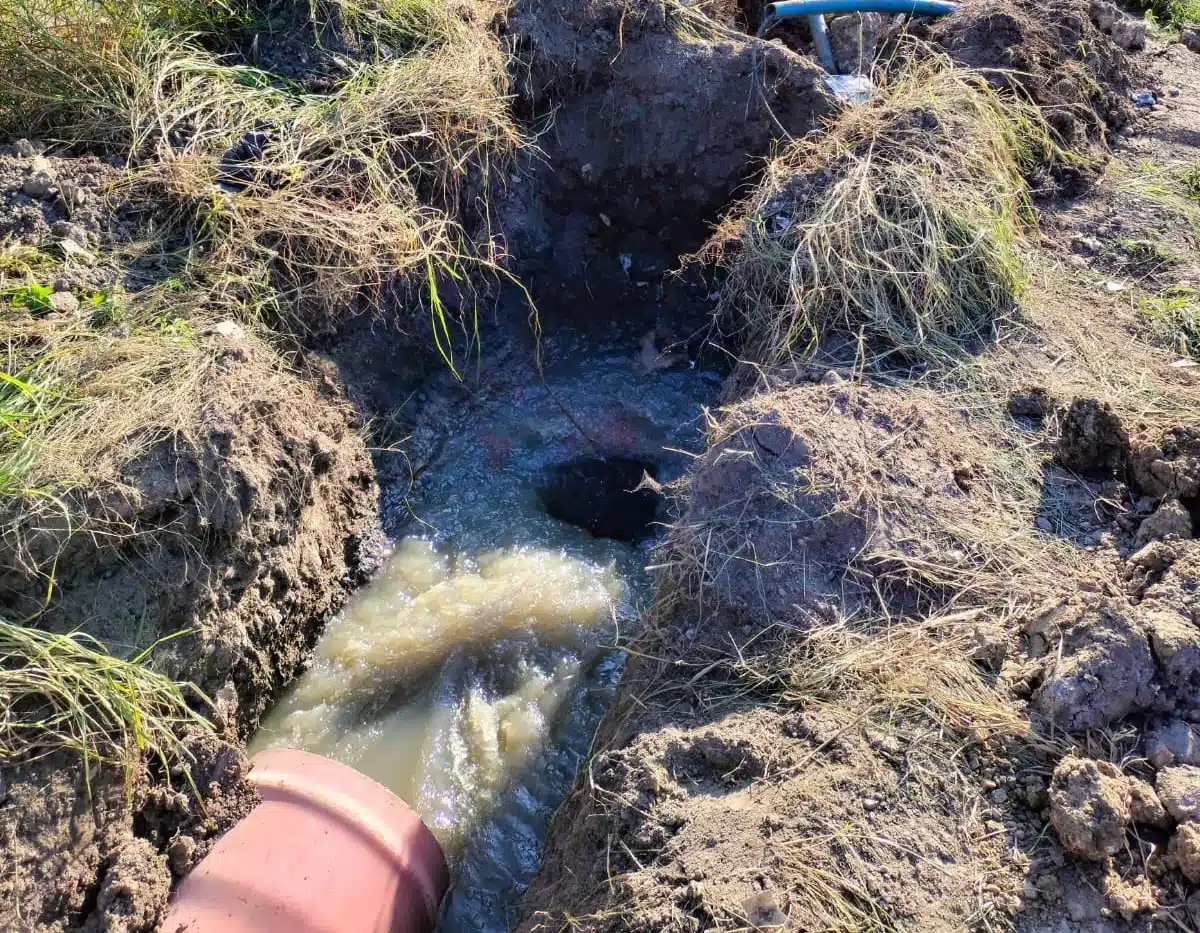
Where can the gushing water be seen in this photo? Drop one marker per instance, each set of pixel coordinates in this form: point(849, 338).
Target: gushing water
point(470, 676)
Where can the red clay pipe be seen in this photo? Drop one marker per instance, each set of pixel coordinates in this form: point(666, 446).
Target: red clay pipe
point(327, 851)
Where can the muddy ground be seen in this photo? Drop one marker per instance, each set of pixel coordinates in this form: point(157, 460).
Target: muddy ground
point(1032, 558)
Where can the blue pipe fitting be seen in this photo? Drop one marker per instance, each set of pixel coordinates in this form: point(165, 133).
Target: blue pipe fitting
point(786, 9)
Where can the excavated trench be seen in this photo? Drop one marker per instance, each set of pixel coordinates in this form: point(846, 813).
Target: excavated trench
point(470, 676)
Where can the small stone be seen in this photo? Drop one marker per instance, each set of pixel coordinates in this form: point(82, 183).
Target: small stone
point(832, 378)
point(24, 149)
point(999, 796)
point(1129, 34)
point(1043, 524)
point(38, 186)
point(1170, 520)
point(854, 38)
point(1089, 807)
point(1190, 37)
point(1179, 790)
point(230, 330)
point(64, 303)
point(1185, 849)
point(1144, 805)
point(1090, 244)
point(1172, 743)
point(1105, 15)
point(1175, 641)
point(73, 195)
point(181, 851)
point(870, 803)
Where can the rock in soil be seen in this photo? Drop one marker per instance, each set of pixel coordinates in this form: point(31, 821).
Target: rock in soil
point(1185, 849)
point(1170, 520)
point(1090, 807)
point(1093, 440)
point(1172, 742)
point(1176, 643)
point(1179, 790)
point(854, 38)
point(1190, 38)
point(1167, 466)
point(1144, 806)
point(1103, 672)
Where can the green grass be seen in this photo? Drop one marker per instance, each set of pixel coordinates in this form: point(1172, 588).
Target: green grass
point(28, 407)
point(1175, 13)
point(1174, 187)
point(1175, 316)
point(67, 691)
point(1147, 252)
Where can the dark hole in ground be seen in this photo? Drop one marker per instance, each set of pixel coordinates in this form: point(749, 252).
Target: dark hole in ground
point(601, 496)
point(1192, 504)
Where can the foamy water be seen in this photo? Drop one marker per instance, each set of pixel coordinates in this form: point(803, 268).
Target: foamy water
point(447, 677)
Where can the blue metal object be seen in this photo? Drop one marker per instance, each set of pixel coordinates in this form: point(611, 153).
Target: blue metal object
point(786, 9)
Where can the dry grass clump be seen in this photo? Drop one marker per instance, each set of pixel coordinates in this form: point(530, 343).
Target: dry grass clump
point(80, 400)
point(1175, 187)
point(337, 197)
point(66, 691)
point(899, 228)
point(346, 194)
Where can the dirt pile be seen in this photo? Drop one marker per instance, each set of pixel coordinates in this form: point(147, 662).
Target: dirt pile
point(246, 534)
point(819, 513)
point(1060, 55)
point(99, 852)
point(831, 519)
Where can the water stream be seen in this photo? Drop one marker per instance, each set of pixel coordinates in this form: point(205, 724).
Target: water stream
point(470, 675)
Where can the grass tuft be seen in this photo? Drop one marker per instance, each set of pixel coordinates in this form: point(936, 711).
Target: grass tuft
point(1175, 316)
point(66, 691)
point(1175, 13)
point(898, 229)
point(1175, 187)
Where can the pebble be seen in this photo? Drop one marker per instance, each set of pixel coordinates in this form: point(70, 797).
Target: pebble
point(230, 330)
point(870, 803)
point(1043, 524)
point(24, 149)
point(64, 303)
point(38, 186)
point(998, 796)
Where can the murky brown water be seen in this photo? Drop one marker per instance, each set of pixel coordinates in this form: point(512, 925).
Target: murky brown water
point(448, 675)
point(470, 676)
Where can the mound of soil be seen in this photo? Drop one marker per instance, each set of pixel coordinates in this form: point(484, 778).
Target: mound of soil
point(704, 806)
point(246, 536)
point(1055, 53)
point(816, 509)
point(98, 852)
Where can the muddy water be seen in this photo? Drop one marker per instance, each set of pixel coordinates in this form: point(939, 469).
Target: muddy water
point(470, 676)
